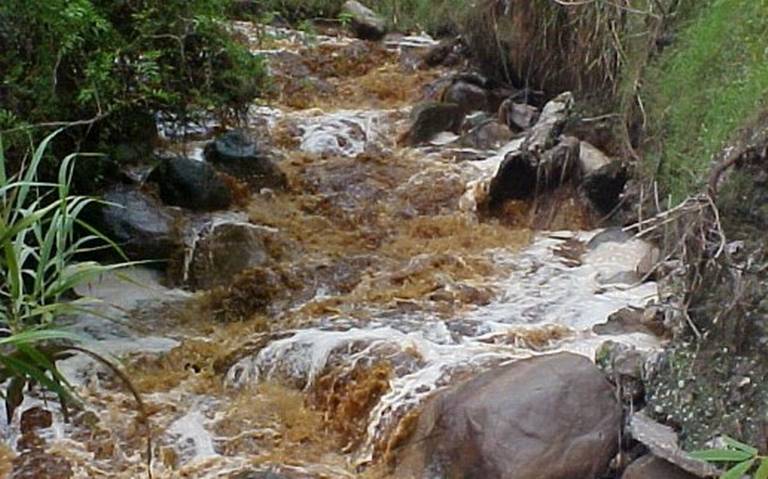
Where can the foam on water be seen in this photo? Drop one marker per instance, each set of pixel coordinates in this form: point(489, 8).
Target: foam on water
point(544, 290)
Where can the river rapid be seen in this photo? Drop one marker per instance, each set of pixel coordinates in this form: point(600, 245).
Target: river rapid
point(393, 286)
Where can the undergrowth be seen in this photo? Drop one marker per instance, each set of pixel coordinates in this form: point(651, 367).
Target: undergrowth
point(707, 86)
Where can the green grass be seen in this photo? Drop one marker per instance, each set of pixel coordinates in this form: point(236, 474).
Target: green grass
point(433, 16)
point(705, 87)
point(39, 268)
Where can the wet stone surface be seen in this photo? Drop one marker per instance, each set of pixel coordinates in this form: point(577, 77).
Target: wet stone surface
point(353, 279)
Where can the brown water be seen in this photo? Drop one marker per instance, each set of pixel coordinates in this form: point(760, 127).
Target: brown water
point(387, 287)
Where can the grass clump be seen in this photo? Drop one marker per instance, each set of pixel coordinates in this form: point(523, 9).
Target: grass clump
point(711, 83)
point(39, 270)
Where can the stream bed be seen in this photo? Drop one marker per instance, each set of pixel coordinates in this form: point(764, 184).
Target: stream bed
point(391, 287)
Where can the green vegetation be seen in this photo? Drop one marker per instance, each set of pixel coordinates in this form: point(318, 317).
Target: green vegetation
point(709, 84)
point(38, 270)
point(433, 16)
point(743, 459)
point(112, 63)
point(437, 17)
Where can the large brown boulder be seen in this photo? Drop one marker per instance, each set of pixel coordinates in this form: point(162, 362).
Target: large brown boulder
point(228, 249)
point(549, 417)
point(429, 119)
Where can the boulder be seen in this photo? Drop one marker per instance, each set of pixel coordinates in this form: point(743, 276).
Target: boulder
point(517, 116)
point(429, 119)
point(138, 223)
point(603, 187)
point(227, 249)
point(547, 129)
point(488, 135)
point(469, 96)
point(364, 22)
point(591, 159)
point(237, 153)
point(548, 417)
point(191, 184)
point(651, 467)
point(444, 53)
point(522, 173)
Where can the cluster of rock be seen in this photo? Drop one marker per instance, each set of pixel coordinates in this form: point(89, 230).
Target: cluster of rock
point(157, 219)
point(554, 416)
point(488, 116)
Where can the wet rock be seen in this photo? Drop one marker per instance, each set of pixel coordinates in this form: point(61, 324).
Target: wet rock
point(237, 154)
point(547, 129)
point(662, 441)
point(35, 418)
point(444, 53)
point(522, 173)
point(429, 119)
point(623, 364)
point(631, 320)
point(469, 96)
point(515, 179)
point(604, 186)
point(517, 116)
point(138, 223)
point(228, 249)
point(36, 464)
point(650, 467)
point(609, 235)
point(519, 421)
point(191, 184)
point(591, 159)
point(365, 23)
point(489, 135)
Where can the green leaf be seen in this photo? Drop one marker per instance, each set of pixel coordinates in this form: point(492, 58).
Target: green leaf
point(734, 444)
point(762, 471)
point(721, 455)
point(737, 471)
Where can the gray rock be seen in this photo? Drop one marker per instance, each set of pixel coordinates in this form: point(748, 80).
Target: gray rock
point(609, 235)
point(662, 441)
point(469, 96)
point(650, 467)
point(547, 129)
point(444, 53)
point(489, 135)
point(139, 224)
point(518, 116)
point(591, 159)
point(429, 119)
point(238, 154)
point(522, 174)
point(365, 23)
point(228, 249)
point(548, 417)
point(191, 184)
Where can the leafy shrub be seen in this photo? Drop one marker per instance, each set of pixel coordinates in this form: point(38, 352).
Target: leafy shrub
point(741, 457)
point(68, 60)
point(38, 247)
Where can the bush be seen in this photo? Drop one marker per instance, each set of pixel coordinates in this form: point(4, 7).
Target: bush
point(68, 60)
point(38, 272)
